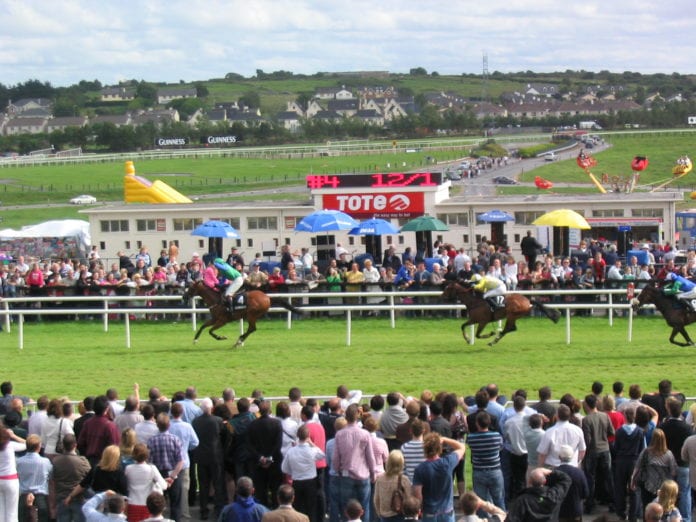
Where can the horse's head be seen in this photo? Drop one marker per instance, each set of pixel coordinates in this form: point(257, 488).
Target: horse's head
point(454, 290)
point(190, 292)
point(646, 296)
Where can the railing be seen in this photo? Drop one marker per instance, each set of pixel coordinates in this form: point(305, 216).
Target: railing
point(607, 301)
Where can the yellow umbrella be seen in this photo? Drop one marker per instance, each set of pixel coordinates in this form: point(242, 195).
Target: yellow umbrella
point(562, 217)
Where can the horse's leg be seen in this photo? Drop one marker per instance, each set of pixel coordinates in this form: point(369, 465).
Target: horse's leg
point(250, 330)
point(205, 325)
point(479, 331)
point(218, 324)
point(510, 326)
point(464, 327)
point(680, 330)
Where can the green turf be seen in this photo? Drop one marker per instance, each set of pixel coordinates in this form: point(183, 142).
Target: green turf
point(78, 358)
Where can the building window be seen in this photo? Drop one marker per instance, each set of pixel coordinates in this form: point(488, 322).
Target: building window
point(262, 223)
point(150, 225)
point(608, 212)
point(181, 224)
point(233, 221)
point(114, 225)
point(460, 219)
point(647, 212)
point(528, 217)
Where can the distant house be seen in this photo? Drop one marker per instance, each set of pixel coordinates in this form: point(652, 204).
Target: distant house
point(333, 93)
point(486, 110)
point(26, 104)
point(290, 120)
point(119, 120)
point(38, 112)
point(541, 89)
point(62, 122)
point(246, 118)
point(344, 107)
point(117, 94)
point(376, 91)
point(167, 94)
point(313, 108)
point(25, 126)
point(328, 116)
point(370, 116)
point(293, 106)
point(156, 116)
point(217, 114)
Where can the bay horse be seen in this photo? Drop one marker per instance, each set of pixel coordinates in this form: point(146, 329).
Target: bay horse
point(675, 313)
point(480, 314)
point(257, 304)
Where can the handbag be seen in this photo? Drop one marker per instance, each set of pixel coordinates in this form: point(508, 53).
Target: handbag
point(397, 499)
point(59, 443)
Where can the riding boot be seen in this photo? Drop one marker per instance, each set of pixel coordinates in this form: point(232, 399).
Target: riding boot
point(492, 304)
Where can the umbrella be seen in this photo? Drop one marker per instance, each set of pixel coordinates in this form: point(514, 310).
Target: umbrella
point(425, 224)
point(562, 217)
point(495, 216)
point(215, 229)
point(326, 220)
point(374, 227)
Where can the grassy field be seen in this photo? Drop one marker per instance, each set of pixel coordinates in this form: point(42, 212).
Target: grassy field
point(662, 151)
point(78, 358)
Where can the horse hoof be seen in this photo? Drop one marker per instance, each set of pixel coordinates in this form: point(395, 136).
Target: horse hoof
point(195, 341)
point(223, 338)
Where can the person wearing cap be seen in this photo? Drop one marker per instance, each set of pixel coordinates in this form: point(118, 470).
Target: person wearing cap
point(682, 288)
point(492, 288)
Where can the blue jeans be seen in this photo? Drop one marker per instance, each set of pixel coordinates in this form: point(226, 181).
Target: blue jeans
point(489, 485)
point(684, 500)
point(444, 517)
point(334, 498)
point(70, 513)
point(359, 490)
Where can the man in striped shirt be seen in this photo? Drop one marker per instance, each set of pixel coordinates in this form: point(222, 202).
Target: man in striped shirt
point(487, 476)
point(413, 449)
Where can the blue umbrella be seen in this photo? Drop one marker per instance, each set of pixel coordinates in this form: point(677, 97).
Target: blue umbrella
point(495, 216)
point(374, 227)
point(325, 221)
point(215, 229)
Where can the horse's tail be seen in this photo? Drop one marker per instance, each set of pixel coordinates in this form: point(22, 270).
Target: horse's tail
point(276, 301)
point(551, 313)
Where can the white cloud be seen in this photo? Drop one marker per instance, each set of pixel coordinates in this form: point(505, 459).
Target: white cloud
point(64, 41)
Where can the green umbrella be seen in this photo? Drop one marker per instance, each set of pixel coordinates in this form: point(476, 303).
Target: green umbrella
point(425, 224)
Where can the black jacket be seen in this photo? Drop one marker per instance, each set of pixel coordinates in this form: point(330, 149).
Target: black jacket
point(541, 503)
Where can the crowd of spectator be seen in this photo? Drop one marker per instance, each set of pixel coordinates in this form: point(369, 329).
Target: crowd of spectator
point(593, 265)
point(387, 458)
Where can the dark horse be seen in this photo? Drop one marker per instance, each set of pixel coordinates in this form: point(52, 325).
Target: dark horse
point(479, 313)
point(257, 302)
point(674, 312)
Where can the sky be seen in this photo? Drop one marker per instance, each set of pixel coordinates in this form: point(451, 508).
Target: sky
point(65, 41)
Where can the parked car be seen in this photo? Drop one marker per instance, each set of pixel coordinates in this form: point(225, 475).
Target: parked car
point(83, 199)
point(504, 180)
point(551, 156)
point(453, 175)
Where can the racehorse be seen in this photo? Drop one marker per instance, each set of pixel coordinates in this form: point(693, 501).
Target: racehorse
point(674, 312)
point(257, 304)
point(480, 314)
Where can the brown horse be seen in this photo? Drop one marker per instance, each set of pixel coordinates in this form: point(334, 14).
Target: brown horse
point(675, 313)
point(257, 304)
point(480, 314)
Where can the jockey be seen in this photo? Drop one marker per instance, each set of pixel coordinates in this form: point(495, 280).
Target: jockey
point(492, 288)
point(236, 282)
point(682, 288)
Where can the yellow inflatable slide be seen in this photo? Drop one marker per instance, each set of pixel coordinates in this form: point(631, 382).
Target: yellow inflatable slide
point(140, 190)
